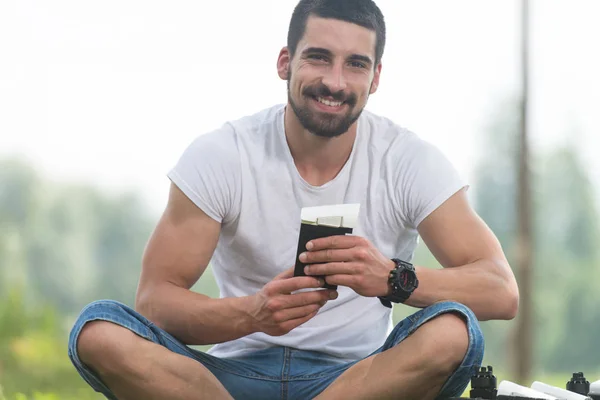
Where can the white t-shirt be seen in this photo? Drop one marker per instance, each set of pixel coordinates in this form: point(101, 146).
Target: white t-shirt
point(243, 175)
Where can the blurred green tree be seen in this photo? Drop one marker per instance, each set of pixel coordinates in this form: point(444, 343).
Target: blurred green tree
point(568, 264)
point(566, 256)
point(68, 244)
point(33, 353)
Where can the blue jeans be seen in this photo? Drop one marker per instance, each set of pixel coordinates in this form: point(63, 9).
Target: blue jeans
point(276, 372)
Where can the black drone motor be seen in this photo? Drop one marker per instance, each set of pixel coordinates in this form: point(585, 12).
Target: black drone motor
point(578, 384)
point(484, 384)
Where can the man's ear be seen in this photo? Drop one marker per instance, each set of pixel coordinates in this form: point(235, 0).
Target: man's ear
point(283, 63)
point(375, 83)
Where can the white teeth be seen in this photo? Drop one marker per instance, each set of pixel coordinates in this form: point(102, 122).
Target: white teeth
point(329, 103)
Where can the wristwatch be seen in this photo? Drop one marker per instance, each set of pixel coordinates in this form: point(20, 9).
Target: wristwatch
point(402, 282)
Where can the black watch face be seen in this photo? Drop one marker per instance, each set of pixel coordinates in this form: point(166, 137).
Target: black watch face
point(407, 280)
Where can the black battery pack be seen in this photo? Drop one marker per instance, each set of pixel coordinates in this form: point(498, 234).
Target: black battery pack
point(309, 232)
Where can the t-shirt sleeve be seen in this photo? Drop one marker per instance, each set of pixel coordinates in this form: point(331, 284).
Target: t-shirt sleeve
point(208, 173)
point(425, 180)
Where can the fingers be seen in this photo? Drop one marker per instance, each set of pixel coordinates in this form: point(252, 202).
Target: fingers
point(336, 242)
point(289, 285)
point(285, 302)
point(346, 268)
point(327, 255)
point(307, 298)
point(290, 311)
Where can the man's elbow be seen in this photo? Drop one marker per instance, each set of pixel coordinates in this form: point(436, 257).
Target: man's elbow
point(145, 303)
point(510, 300)
point(503, 300)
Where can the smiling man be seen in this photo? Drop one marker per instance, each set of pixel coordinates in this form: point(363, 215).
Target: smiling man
point(235, 200)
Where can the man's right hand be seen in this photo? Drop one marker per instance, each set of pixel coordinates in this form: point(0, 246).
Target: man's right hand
point(276, 310)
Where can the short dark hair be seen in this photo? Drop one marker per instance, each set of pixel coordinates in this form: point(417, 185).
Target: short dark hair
point(360, 12)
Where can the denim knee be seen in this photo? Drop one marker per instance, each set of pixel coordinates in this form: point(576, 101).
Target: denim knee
point(110, 311)
point(104, 310)
point(471, 362)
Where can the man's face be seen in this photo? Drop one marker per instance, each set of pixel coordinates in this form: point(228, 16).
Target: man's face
point(331, 75)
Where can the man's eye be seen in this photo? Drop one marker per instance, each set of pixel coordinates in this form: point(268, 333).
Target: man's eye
point(357, 64)
point(317, 57)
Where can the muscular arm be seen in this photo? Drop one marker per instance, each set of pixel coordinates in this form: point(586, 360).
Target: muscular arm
point(176, 256)
point(476, 272)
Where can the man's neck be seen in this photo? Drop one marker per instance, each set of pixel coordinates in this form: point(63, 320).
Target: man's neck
point(318, 159)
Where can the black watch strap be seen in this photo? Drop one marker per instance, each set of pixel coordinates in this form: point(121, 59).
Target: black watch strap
point(385, 302)
point(397, 295)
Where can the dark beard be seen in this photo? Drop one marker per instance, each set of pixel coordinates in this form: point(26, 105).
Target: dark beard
point(323, 124)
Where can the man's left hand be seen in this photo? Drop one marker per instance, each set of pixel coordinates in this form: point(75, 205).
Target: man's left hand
point(350, 261)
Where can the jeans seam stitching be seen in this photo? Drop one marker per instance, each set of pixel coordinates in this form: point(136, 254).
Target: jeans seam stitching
point(285, 372)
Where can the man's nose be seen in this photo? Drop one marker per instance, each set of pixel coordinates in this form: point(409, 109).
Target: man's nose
point(334, 78)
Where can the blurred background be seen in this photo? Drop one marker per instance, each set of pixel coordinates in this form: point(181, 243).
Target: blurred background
point(99, 99)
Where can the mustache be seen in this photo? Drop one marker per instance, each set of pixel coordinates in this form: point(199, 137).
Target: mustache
point(323, 91)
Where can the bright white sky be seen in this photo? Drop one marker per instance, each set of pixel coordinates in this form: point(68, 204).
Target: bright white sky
point(111, 92)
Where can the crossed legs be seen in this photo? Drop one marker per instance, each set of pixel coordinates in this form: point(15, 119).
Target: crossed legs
point(133, 367)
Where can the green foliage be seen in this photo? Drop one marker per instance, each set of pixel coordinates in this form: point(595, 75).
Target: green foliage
point(70, 244)
point(566, 254)
point(60, 248)
point(33, 353)
point(81, 395)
